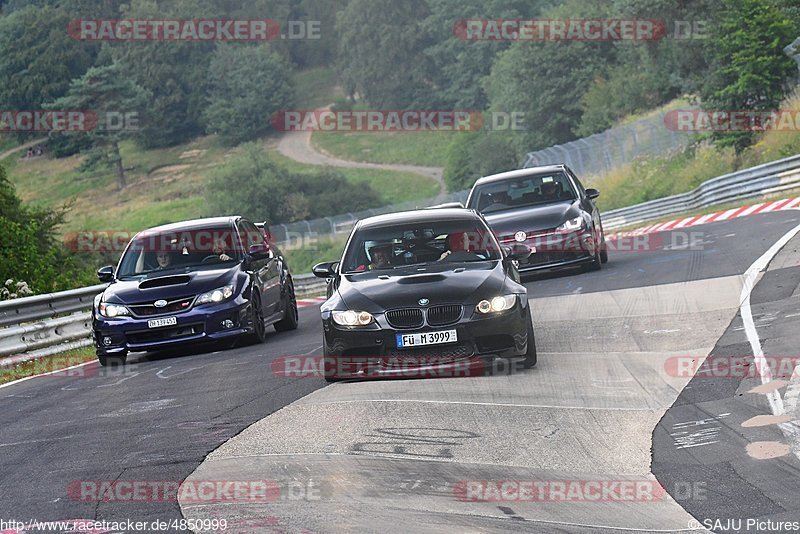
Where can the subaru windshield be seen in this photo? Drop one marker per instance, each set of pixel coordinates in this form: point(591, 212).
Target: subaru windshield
point(151, 254)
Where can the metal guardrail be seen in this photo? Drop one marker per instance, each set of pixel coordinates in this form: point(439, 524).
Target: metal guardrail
point(308, 285)
point(42, 325)
point(766, 179)
point(47, 306)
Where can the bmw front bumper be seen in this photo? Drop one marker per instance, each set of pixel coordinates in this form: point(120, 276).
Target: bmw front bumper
point(372, 351)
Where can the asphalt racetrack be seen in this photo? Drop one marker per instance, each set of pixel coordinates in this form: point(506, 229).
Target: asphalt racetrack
point(609, 432)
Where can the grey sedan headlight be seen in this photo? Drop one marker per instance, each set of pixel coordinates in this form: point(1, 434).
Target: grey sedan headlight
point(572, 224)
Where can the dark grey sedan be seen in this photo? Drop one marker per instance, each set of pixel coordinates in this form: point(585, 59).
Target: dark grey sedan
point(548, 209)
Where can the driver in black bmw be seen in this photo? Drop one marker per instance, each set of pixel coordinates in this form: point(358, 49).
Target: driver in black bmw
point(424, 289)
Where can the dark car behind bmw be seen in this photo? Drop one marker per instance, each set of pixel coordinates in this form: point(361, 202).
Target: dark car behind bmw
point(190, 282)
point(548, 209)
point(420, 289)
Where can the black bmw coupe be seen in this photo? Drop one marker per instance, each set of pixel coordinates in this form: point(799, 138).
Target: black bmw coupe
point(419, 290)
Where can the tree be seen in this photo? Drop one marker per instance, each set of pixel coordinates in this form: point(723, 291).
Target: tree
point(381, 52)
point(247, 84)
point(38, 58)
point(109, 95)
point(457, 66)
point(547, 80)
point(749, 68)
point(175, 73)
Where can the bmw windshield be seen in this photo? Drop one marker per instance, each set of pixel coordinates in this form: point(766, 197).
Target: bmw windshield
point(155, 253)
point(394, 247)
point(523, 192)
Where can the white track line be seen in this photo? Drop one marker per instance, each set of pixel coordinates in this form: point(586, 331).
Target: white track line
point(7, 384)
point(750, 277)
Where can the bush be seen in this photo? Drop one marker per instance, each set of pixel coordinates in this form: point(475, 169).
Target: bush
point(29, 249)
point(254, 185)
point(474, 155)
point(64, 145)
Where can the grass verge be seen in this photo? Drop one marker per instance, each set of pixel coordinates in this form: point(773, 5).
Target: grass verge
point(652, 178)
point(427, 149)
point(164, 185)
point(48, 364)
point(301, 260)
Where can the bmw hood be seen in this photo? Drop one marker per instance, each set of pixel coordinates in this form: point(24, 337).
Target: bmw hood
point(532, 219)
point(404, 287)
point(171, 285)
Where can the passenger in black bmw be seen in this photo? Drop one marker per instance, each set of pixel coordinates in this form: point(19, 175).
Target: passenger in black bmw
point(451, 294)
point(548, 209)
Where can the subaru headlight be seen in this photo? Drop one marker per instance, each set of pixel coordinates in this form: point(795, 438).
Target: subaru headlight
point(497, 304)
point(112, 310)
point(572, 224)
point(217, 295)
point(352, 318)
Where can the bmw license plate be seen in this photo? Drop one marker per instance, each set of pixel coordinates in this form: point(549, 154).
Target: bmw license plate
point(166, 321)
point(427, 338)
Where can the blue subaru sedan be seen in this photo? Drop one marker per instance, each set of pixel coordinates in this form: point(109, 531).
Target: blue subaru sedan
point(191, 282)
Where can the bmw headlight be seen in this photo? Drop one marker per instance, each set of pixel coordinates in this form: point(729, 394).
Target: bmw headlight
point(497, 304)
point(572, 224)
point(217, 295)
point(112, 310)
point(352, 318)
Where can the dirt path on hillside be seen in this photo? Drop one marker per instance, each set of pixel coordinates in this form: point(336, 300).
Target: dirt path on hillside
point(298, 146)
point(35, 142)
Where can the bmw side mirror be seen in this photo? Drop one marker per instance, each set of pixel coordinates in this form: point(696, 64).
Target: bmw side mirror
point(106, 274)
point(329, 269)
point(518, 252)
point(592, 193)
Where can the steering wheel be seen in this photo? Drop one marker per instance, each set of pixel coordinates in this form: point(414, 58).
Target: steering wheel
point(209, 259)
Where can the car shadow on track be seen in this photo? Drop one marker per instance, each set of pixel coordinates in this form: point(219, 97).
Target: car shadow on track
point(195, 350)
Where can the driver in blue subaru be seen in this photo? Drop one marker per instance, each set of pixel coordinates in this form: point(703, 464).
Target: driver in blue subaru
point(164, 259)
point(219, 249)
